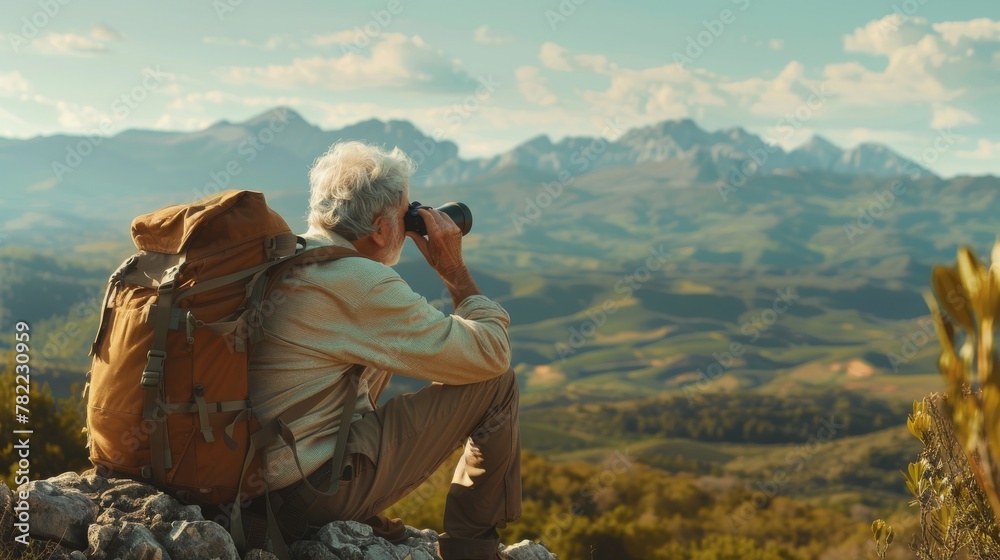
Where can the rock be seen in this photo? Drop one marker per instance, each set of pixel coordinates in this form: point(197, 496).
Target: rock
point(527, 550)
point(200, 540)
point(60, 513)
point(124, 541)
point(6, 513)
point(55, 552)
point(122, 519)
point(258, 554)
point(311, 550)
point(346, 539)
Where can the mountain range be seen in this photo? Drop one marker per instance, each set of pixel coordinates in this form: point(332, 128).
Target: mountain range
point(286, 144)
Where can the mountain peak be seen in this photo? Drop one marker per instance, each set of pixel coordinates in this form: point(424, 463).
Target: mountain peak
point(280, 112)
point(818, 142)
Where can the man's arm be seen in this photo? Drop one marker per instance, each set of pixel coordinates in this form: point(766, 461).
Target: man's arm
point(401, 332)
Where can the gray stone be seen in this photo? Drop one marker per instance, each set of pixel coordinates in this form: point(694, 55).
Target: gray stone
point(382, 549)
point(126, 495)
point(527, 550)
point(258, 554)
point(124, 541)
point(311, 550)
point(346, 538)
point(425, 534)
point(6, 513)
point(200, 540)
point(162, 507)
point(60, 513)
point(89, 482)
point(418, 554)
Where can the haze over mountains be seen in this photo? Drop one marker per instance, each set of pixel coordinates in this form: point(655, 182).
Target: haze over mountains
point(288, 144)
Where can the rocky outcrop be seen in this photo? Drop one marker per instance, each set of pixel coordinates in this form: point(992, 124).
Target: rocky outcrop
point(89, 517)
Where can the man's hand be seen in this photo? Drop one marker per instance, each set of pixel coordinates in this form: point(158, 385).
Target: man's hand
point(443, 251)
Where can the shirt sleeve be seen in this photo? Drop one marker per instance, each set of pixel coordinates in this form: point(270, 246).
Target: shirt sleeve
point(399, 331)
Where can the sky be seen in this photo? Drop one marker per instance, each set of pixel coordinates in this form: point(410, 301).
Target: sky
point(922, 76)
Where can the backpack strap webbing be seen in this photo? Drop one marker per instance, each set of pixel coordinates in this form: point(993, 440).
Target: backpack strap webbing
point(268, 435)
point(152, 380)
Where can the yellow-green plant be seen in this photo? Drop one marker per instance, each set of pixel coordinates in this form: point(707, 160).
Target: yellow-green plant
point(956, 520)
point(967, 296)
point(956, 479)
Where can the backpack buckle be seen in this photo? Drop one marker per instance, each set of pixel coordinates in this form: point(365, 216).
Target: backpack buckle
point(151, 379)
point(152, 376)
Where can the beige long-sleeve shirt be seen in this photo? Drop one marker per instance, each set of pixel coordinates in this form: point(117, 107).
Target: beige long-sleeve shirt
point(325, 318)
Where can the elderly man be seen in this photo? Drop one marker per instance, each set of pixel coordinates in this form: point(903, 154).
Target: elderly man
point(359, 311)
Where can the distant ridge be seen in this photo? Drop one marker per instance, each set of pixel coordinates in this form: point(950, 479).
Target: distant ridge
point(288, 144)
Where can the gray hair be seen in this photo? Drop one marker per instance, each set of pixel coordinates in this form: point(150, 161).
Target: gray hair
point(353, 183)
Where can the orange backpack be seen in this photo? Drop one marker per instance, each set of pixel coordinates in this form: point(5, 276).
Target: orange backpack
point(168, 388)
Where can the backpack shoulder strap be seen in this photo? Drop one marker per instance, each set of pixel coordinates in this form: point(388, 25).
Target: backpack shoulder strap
point(308, 257)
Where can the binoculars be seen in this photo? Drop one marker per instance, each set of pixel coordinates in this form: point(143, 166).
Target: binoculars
point(457, 211)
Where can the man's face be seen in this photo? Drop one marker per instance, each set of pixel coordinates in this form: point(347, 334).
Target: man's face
point(396, 235)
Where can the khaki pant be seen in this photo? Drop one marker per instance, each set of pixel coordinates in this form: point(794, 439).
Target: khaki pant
point(393, 450)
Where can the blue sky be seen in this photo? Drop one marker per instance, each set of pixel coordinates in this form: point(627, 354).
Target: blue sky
point(491, 75)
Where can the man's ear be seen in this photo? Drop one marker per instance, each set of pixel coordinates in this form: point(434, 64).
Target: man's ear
point(381, 234)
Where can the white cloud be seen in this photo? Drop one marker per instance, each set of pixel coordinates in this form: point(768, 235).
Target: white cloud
point(917, 70)
point(985, 149)
point(106, 34)
point(776, 44)
point(597, 63)
point(778, 96)
point(886, 35)
point(396, 61)
point(13, 83)
point(982, 29)
point(69, 43)
point(532, 86)
point(924, 63)
point(482, 35)
point(553, 56)
point(74, 116)
point(946, 116)
point(273, 42)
